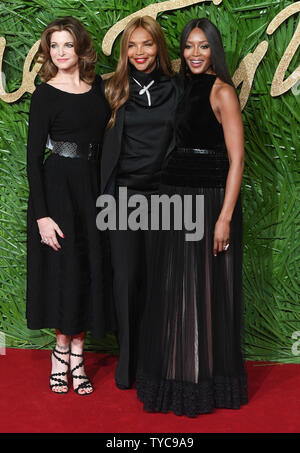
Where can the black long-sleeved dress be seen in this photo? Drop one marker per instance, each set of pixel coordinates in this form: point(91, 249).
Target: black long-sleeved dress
point(190, 352)
point(67, 289)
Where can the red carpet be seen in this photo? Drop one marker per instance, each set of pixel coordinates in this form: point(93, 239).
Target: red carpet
point(28, 406)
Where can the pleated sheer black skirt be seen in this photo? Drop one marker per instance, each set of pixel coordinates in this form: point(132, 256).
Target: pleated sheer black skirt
point(70, 289)
point(190, 358)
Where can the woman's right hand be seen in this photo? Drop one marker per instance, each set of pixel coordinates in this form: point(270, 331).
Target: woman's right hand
point(48, 229)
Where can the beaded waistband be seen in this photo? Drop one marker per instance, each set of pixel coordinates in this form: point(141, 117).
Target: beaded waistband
point(88, 151)
point(215, 151)
point(196, 167)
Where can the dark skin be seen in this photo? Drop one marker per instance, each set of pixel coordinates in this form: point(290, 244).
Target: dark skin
point(226, 108)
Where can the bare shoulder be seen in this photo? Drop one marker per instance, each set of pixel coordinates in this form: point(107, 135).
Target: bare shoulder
point(223, 92)
point(224, 97)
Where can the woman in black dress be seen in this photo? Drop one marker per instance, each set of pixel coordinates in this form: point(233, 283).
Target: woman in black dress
point(190, 356)
point(67, 283)
point(142, 95)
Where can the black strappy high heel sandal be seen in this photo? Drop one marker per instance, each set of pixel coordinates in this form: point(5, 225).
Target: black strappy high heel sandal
point(84, 385)
point(55, 376)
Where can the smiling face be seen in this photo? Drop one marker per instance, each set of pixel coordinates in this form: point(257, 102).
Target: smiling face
point(197, 52)
point(62, 50)
point(142, 50)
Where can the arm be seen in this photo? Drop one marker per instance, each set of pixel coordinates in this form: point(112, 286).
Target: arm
point(229, 109)
point(39, 123)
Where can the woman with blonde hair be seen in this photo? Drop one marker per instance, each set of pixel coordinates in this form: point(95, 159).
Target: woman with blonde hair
point(66, 259)
point(142, 95)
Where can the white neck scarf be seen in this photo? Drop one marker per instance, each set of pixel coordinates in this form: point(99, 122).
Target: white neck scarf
point(145, 89)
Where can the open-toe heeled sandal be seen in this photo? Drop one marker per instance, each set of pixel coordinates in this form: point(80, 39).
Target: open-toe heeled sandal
point(86, 384)
point(55, 376)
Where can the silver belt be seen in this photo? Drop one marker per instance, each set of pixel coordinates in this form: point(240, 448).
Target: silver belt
point(215, 151)
point(84, 150)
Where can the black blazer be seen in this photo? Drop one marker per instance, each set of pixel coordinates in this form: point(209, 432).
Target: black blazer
point(111, 150)
point(112, 144)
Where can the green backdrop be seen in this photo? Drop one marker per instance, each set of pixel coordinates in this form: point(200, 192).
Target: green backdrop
point(270, 194)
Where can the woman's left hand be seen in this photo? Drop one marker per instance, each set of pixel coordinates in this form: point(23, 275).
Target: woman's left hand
point(221, 236)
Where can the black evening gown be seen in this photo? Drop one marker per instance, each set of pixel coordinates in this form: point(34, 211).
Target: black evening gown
point(69, 289)
point(190, 358)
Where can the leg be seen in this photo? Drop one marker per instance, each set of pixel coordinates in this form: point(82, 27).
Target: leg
point(60, 363)
point(127, 262)
point(81, 383)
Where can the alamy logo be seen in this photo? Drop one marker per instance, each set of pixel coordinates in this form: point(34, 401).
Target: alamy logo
point(3, 80)
point(2, 343)
point(296, 345)
point(158, 212)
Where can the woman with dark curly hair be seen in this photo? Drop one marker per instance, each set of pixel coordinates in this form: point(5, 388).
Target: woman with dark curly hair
point(67, 278)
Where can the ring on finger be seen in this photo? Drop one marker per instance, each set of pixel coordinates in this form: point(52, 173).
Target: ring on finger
point(226, 247)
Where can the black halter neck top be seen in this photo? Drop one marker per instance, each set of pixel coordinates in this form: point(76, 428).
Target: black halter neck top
point(200, 158)
point(196, 123)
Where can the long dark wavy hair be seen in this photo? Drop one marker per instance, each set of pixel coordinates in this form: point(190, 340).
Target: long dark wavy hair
point(213, 36)
point(83, 47)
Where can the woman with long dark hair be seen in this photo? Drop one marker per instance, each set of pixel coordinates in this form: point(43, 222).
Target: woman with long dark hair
point(190, 358)
point(67, 271)
point(142, 97)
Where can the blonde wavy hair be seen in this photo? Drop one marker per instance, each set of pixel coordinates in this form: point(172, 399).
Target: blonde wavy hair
point(82, 44)
point(117, 87)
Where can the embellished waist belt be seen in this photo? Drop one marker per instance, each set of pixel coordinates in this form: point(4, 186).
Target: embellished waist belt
point(209, 152)
point(196, 167)
point(88, 151)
